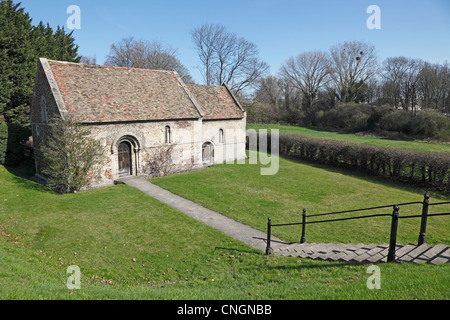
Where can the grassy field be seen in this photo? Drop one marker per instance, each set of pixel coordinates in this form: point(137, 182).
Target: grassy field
point(409, 145)
point(130, 246)
point(240, 192)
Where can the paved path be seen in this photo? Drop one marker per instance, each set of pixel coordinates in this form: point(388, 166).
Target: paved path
point(257, 239)
point(253, 237)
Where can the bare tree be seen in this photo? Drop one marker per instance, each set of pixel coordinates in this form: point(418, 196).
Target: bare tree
point(227, 58)
point(409, 84)
point(403, 76)
point(269, 90)
point(443, 92)
point(205, 39)
point(159, 161)
point(308, 72)
point(429, 85)
point(92, 60)
point(434, 86)
point(352, 64)
point(291, 103)
point(143, 54)
point(394, 69)
point(267, 100)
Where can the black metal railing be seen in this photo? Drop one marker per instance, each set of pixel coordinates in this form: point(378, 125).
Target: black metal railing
point(395, 216)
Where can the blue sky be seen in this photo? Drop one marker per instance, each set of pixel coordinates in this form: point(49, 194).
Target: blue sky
point(280, 28)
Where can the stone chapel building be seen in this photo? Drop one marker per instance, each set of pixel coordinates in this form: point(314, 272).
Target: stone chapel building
point(134, 111)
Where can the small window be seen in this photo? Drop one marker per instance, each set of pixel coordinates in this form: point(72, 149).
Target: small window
point(221, 136)
point(168, 135)
point(43, 110)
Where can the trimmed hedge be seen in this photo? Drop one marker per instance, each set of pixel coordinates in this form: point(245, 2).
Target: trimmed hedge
point(429, 170)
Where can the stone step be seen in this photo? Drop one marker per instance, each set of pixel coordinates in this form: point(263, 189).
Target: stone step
point(413, 254)
point(367, 253)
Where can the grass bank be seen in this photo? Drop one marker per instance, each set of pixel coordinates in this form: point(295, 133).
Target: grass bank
point(130, 246)
point(242, 193)
point(376, 141)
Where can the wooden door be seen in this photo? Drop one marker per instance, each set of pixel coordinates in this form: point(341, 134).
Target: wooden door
point(208, 153)
point(124, 159)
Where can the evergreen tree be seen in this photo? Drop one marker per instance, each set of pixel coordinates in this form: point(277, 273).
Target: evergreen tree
point(65, 47)
point(44, 41)
point(21, 45)
point(17, 63)
point(54, 45)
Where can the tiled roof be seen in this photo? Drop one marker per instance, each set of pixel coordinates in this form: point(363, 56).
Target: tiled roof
point(94, 94)
point(216, 102)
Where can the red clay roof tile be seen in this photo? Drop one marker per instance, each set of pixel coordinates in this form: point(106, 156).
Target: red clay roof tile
point(115, 94)
point(133, 94)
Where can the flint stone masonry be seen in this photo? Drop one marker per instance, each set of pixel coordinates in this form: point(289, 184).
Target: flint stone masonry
point(137, 106)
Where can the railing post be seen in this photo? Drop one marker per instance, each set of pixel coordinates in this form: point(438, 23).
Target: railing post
point(423, 224)
point(393, 240)
point(269, 231)
point(303, 239)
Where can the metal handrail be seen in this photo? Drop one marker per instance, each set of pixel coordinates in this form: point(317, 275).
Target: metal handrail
point(331, 220)
point(365, 209)
point(394, 223)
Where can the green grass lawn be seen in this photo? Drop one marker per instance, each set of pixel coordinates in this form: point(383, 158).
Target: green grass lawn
point(240, 192)
point(130, 246)
point(313, 133)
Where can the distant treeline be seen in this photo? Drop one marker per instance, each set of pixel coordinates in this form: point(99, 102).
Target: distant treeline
point(349, 89)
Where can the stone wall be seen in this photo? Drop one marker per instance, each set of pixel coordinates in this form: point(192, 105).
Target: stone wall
point(145, 137)
point(187, 136)
point(44, 106)
point(232, 146)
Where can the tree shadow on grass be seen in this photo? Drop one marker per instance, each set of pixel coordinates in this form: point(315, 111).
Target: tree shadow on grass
point(255, 251)
point(320, 264)
point(311, 264)
point(378, 180)
point(24, 176)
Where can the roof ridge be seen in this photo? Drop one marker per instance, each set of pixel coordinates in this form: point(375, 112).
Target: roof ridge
point(48, 72)
point(203, 85)
point(233, 96)
point(217, 102)
point(106, 66)
point(190, 95)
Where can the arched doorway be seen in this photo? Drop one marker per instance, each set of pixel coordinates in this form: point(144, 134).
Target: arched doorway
point(208, 153)
point(124, 154)
point(126, 151)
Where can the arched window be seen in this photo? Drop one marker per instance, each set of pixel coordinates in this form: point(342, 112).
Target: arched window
point(221, 136)
point(43, 110)
point(168, 137)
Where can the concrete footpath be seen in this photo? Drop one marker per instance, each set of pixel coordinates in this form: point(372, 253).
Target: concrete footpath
point(438, 254)
point(253, 237)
